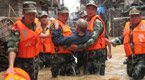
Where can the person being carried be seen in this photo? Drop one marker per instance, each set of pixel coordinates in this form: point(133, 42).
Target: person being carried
point(96, 44)
point(80, 36)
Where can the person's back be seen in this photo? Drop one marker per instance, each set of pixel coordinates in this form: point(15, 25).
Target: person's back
point(80, 35)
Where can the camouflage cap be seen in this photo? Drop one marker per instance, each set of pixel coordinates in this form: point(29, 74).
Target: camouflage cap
point(63, 9)
point(134, 10)
point(42, 13)
point(29, 6)
point(91, 2)
point(83, 13)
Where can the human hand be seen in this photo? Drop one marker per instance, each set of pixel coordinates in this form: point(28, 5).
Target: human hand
point(56, 25)
point(107, 41)
point(10, 69)
point(109, 55)
point(109, 47)
point(73, 47)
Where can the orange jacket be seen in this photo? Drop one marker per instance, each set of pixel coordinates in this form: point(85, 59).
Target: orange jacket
point(45, 42)
point(29, 41)
point(66, 32)
point(138, 39)
point(100, 43)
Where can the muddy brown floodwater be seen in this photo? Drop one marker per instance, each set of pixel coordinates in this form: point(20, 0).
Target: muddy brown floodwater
point(115, 69)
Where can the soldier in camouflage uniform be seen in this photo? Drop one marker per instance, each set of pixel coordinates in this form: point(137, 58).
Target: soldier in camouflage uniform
point(133, 40)
point(83, 15)
point(80, 36)
point(96, 57)
point(28, 61)
point(45, 54)
point(63, 62)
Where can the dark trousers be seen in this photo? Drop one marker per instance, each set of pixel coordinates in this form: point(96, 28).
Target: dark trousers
point(81, 59)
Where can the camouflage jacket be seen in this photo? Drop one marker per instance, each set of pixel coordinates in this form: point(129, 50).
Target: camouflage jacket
point(119, 40)
point(97, 30)
point(14, 39)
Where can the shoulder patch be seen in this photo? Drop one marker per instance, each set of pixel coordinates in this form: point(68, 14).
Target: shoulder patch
point(14, 28)
point(142, 27)
point(24, 33)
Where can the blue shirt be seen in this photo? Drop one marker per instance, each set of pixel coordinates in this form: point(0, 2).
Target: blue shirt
point(73, 39)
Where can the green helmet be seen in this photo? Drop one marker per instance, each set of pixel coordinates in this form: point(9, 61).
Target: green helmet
point(91, 2)
point(29, 6)
point(42, 13)
point(63, 9)
point(83, 14)
point(134, 10)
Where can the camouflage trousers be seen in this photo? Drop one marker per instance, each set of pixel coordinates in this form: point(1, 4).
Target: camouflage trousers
point(45, 60)
point(30, 65)
point(136, 66)
point(63, 64)
point(95, 62)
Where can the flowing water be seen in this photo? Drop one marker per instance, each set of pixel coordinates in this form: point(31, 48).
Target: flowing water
point(115, 69)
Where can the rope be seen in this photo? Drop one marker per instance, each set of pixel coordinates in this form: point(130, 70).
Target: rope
point(11, 8)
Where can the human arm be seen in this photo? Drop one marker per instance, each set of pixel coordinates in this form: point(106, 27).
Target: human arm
point(109, 48)
point(117, 41)
point(97, 30)
point(13, 48)
point(57, 35)
point(12, 56)
point(42, 35)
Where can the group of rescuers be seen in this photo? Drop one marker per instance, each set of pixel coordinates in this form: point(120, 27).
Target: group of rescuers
point(34, 39)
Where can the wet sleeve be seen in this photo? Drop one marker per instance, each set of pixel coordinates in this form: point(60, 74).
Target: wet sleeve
point(117, 40)
point(61, 40)
point(13, 42)
point(97, 30)
point(69, 40)
point(57, 36)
